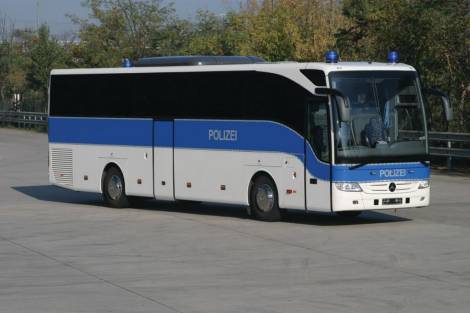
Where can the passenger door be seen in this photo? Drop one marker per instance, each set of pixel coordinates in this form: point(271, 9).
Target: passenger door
point(318, 156)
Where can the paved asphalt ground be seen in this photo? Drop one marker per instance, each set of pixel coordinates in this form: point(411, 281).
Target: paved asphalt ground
point(62, 251)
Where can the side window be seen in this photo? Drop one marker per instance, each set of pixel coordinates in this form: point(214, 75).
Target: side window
point(154, 95)
point(315, 76)
point(276, 98)
point(91, 95)
point(211, 95)
point(318, 128)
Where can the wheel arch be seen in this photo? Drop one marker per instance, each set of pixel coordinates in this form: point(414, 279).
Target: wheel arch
point(106, 168)
point(255, 176)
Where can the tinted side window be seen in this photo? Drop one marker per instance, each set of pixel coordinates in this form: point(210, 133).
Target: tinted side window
point(211, 95)
point(155, 95)
point(318, 128)
point(91, 95)
point(273, 97)
point(317, 77)
point(247, 95)
point(215, 95)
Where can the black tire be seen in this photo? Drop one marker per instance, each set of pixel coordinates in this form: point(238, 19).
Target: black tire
point(264, 203)
point(349, 214)
point(114, 189)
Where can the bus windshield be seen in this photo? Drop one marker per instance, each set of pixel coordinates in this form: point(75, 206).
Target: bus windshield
point(387, 117)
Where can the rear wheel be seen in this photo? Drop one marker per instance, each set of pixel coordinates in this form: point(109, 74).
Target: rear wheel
point(349, 214)
point(264, 204)
point(114, 189)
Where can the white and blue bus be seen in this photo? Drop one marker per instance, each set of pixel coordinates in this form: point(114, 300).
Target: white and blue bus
point(326, 137)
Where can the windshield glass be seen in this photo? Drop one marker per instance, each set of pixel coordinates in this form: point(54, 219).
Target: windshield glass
point(387, 118)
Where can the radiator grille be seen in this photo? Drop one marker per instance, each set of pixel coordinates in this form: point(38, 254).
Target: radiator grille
point(62, 166)
point(383, 187)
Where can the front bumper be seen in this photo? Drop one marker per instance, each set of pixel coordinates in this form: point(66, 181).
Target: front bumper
point(373, 195)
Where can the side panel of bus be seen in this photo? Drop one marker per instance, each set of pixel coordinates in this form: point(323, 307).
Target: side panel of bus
point(81, 148)
point(204, 172)
point(215, 160)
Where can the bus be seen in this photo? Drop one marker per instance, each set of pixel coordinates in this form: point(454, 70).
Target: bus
point(343, 137)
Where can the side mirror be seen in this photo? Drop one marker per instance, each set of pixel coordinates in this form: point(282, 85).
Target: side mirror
point(344, 109)
point(449, 114)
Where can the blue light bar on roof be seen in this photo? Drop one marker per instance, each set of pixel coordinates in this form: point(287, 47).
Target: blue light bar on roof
point(126, 62)
point(332, 56)
point(393, 57)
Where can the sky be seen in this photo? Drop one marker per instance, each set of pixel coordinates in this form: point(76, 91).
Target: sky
point(28, 13)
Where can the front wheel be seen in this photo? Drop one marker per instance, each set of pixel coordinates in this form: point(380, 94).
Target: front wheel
point(114, 190)
point(264, 204)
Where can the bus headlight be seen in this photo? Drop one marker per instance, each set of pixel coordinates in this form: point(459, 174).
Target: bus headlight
point(423, 184)
point(350, 187)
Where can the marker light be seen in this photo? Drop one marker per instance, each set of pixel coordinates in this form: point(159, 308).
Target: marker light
point(393, 57)
point(126, 62)
point(332, 56)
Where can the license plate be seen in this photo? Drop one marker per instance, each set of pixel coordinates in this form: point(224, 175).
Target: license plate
point(391, 201)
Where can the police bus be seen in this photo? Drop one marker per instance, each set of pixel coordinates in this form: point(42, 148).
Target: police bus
point(327, 137)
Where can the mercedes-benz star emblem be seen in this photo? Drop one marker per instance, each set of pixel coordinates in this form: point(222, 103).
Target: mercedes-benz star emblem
point(392, 187)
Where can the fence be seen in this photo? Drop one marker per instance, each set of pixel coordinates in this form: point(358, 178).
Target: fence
point(23, 119)
point(448, 145)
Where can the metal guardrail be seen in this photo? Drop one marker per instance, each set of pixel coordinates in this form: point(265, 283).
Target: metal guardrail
point(23, 119)
point(448, 145)
point(444, 144)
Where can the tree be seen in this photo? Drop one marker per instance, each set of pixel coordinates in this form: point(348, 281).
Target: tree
point(46, 53)
point(121, 28)
point(207, 35)
point(301, 30)
point(6, 52)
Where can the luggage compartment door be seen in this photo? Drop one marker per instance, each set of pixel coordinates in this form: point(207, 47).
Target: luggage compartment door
point(163, 160)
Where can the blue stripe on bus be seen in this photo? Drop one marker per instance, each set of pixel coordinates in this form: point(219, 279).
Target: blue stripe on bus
point(378, 172)
point(263, 136)
point(237, 135)
point(101, 131)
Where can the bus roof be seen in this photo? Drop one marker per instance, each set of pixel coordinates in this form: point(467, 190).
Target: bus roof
point(268, 67)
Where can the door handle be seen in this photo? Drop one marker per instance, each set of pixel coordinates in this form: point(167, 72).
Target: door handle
point(313, 181)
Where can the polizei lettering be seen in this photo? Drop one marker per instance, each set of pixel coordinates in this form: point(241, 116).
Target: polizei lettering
point(393, 173)
point(223, 135)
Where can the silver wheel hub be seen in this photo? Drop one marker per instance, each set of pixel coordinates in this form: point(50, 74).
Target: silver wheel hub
point(115, 187)
point(265, 198)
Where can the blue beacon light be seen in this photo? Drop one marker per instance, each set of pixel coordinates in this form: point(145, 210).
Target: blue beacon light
point(126, 62)
point(332, 56)
point(393, 57)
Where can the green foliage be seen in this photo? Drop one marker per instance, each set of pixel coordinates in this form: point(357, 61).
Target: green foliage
point(431, 35)
point(279, 30)
point(46, 54)
point(207, 35)
point(122, 28)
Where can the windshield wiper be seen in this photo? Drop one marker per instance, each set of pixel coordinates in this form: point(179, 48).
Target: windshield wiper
point(354, 167)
